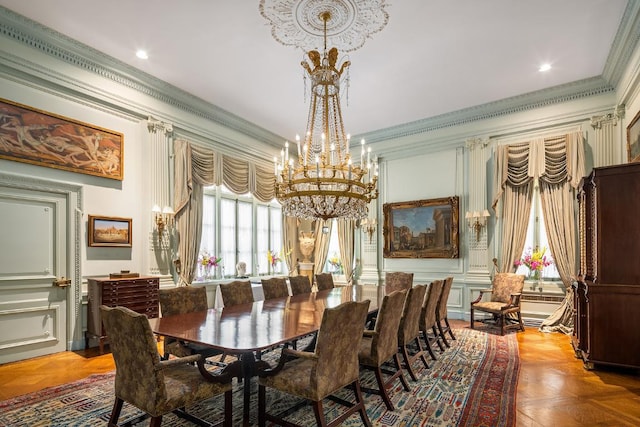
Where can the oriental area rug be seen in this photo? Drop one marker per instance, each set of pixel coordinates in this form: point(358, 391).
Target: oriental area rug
point(473, 383)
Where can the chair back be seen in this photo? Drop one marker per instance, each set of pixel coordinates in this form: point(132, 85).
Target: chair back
point(337, 346)
point(428, 312)
point(410, 322)
point(184, 299)
point(441, 312)
point(505, 284)
point(300, 285)
point(135, 353)
point(276, 287)
point(385, 342)
point(397, 280)
point(324, 281)
point(236, 292)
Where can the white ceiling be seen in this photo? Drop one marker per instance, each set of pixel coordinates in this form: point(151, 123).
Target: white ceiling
point(432, 58)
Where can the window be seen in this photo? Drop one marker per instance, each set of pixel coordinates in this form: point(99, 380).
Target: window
point(334, 262)
point(537, 238)
point(240, 228)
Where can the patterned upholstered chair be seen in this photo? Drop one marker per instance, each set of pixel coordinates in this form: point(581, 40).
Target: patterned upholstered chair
point(380, 345)
point(156, 386)
point(430, 333)
point(324, 281)
point(442, 318)
point(409, 343)
point(316, 375)
point(184, 299)
point(505, 301)
point(299, 285)
point(236, 292)
point(397, 280)
point(276, 287)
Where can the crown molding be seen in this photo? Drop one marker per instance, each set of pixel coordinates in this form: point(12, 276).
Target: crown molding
point(54, 44)
point(624, 44)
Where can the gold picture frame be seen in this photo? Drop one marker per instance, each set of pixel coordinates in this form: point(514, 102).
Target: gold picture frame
point(633, 140)
point(422, 229)
point(37, 137)
point(108, 231)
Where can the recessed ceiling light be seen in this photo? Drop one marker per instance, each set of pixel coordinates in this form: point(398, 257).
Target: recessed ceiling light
point(142, 54)
point(544, 67)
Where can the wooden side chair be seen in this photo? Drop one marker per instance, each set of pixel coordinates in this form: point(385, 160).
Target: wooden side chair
point(276, 287)
point(409, 330)
point(317, 375)
point(397, 280)
point(442, 319)
point(156, 386)
point(505, 293)
point(300, 285)
point(381, 345)
point(324, 281)
point(428, 329)
point(184, 299)
point(236, 292)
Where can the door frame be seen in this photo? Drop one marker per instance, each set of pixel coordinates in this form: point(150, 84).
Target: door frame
point(73, 195)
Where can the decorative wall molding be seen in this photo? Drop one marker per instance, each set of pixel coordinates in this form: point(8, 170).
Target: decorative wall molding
point(606, 146)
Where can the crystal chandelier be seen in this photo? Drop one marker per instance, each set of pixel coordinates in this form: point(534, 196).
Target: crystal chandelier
point(325, 182)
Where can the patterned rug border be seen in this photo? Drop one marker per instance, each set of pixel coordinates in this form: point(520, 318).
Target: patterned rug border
point(473, 384)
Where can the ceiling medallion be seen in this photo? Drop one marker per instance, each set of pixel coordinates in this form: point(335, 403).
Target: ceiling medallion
point(299, 23)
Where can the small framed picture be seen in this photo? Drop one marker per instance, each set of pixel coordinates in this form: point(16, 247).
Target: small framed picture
point(633, 139)
point(108, 231)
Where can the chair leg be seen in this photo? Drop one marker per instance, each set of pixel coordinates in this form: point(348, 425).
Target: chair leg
point(427, 343)
point(360, 401)
point(317, 410)
point(407, 361)
point(262, 407)
point(442, 335)
point(115, 412)
point(520, 321)
point(446, 320)
point(420, 352)
point(383, 389)
point(437, 337)
point(228, 408)
point(403, 380)
point(156, 421)
point(471, 320)
point(502, 321)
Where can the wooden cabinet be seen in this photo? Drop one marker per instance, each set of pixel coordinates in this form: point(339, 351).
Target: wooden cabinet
point(607, 298)
point(139, 294)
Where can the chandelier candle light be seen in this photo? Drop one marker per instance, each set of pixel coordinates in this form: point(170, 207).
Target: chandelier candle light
point(325, 182)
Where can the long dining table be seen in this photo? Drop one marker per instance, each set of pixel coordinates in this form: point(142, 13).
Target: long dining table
point(246, 330)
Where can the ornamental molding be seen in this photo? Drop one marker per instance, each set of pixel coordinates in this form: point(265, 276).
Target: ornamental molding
point(610, 118)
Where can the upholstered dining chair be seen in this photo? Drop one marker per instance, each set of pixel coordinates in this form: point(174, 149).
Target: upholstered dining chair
point(180, 300)
point(299, 285)
point(324, 281)
point(442, 318)
point(409, 344)
point(275, 287)
point(156, 386)
point(380, 345)
point(397, 280)
point(505, 293)
point(428, 329)
point(317, 375)
point(236, 292)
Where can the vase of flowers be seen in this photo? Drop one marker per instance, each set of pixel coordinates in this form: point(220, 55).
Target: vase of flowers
point(335, 264)
point(273, 261)
point(535, 261)
point(207, 266)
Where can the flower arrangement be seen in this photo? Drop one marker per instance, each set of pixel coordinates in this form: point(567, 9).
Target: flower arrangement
point(273, 258)
point(206, 263)
point(335, 263)
point(535, 261)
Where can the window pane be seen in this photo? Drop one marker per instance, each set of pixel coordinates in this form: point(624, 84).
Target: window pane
point(245, 234)
point(334, 262)
point(228, 235)
point(276, 234)
point(262, 238)
point(208, 242)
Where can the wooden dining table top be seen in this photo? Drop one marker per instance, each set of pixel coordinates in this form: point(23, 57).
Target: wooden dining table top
point(260, 325)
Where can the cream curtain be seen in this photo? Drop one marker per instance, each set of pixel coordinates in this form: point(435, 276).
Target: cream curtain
point(290, 237)
point(558, 164)
point(322, 244)
point(346, 232)
point(195, 168)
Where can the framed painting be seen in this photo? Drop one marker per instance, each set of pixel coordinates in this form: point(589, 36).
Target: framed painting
point(633, 139)
point(45, 139)
point(109, 231)
point(421, 229)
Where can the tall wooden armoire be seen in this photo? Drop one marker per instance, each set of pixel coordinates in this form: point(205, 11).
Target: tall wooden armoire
point(607, 296)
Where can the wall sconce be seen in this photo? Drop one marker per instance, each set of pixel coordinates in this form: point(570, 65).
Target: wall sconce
point(477, 221)
point(369, 226)
point(163, 218)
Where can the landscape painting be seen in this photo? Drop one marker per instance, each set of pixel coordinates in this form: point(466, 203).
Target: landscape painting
point(109, 231)
point(40, 138)
point(421, 229)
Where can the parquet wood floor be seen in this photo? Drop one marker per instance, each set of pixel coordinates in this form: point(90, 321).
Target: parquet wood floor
point(553, 388)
